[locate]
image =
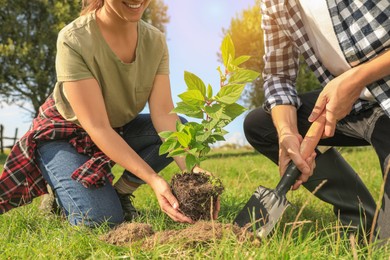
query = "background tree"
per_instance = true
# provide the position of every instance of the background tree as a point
(28, 35)
(156, 14)
(247, 35)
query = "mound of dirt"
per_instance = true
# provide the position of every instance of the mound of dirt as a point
(202, 232)
(128, 233)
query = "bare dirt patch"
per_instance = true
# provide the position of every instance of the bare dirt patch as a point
(128, 233)
(202, 232)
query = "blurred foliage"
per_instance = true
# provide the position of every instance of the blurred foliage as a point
(27, 48)
(156, 14)
(247, 34)
(28, 36)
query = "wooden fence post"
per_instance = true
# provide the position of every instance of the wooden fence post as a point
(15, 137)
(1, 138)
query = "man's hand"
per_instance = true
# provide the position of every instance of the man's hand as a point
(289, 149)
(337, 99)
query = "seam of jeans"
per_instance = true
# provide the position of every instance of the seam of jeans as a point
(149, 155)
(66, 191)
(372, 122)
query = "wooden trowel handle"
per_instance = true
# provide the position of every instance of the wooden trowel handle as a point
(308, 145)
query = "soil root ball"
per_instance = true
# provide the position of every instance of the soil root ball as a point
(195, 193)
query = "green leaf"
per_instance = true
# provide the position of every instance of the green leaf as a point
(196, 126)
(230, 93)
(230, 66)
(238, 61)
(190, 162)
(165, 134)
(177, 152)
(167, 146)
(193, 97)
(209, 126)
(214, 111)
(205, 151)
(188, 110)
(183, 138)
(179, 126)
(227, 50)
(234, 110)
(218, 137)
(193, 82)
(223, 122)
(203, 136)
(197, 145)
(209, 91)
(193, 152)
(243, 76)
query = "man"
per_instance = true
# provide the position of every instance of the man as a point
(346, 44)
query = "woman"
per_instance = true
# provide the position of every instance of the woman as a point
(109, 64)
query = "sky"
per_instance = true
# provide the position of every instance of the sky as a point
(194, 35)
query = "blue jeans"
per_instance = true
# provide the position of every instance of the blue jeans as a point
(93, 206)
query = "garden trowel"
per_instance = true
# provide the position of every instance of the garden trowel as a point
(266, 206)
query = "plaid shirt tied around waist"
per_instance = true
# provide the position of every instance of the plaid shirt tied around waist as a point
(21, 179)
(362, 28)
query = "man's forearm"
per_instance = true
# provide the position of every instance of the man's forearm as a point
(285, 119)
(374, 69)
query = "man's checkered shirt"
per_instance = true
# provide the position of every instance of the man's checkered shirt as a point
(362, 29)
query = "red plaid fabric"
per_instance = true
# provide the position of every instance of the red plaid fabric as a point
(21, 179)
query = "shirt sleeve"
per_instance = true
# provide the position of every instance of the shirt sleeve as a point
(281, 61)
(70, 65)
(163, 68)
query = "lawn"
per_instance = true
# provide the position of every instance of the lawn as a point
(27, 234)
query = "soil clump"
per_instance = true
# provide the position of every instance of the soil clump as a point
(197, 194)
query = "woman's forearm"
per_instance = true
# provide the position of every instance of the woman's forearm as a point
(84, 95)
(121, 153)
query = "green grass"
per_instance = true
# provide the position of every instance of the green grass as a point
(26, 234)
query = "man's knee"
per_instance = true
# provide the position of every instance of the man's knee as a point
(258, 126)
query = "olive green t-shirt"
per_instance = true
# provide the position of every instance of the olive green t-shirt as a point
(83, 53)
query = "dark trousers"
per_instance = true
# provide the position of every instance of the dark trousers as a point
(370, 127)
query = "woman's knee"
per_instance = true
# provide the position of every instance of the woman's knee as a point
(93, 218)
(90, 206)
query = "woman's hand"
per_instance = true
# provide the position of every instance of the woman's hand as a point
(217, 207)
(168, 203)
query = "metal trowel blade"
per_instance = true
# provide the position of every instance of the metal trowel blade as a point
(263, 211)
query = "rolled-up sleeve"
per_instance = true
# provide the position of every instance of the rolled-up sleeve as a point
(281, 59)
